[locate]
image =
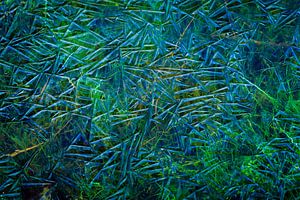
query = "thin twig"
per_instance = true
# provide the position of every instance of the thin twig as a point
(17, 152)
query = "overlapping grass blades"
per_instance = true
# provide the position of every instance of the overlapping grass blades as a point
(150, 99)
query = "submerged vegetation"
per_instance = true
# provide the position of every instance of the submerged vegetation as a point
(150, 99)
